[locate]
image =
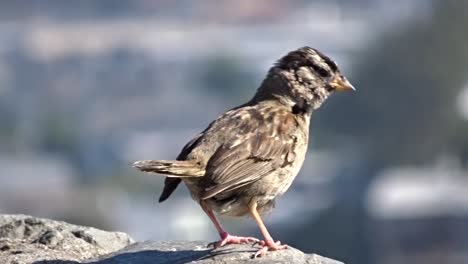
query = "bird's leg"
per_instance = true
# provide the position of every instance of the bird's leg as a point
(268, 243)
(226, 238)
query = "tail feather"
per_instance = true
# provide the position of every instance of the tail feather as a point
(170, 184)
(171, 168)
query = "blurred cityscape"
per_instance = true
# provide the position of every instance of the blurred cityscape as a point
(88, 87)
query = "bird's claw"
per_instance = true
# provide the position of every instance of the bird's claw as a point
(268, 246)
(229, 239)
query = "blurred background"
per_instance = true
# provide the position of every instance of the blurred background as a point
(88, 87)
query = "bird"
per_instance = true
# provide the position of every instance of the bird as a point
(250, 155)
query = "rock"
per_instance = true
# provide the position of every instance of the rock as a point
(171, 252)
(26, 239)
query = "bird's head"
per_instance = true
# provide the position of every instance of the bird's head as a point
(304, 76)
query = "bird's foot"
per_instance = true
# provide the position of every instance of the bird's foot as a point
(227, 239)
(268, 245)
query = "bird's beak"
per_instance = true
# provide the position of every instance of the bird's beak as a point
(340, 83)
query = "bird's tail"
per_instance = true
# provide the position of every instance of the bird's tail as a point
(171, 168)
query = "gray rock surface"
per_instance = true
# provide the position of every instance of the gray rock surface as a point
(26, 239)
(178, 252)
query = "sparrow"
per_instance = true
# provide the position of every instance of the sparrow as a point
(251, 154)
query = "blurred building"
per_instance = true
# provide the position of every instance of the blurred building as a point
(420, 215)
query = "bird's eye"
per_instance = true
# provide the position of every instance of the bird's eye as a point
(321, 71)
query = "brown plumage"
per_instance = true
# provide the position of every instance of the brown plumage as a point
(251, 154)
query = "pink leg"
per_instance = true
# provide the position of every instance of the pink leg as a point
(268, 243)
(226, 238)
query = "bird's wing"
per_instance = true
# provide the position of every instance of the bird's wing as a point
(263, 144)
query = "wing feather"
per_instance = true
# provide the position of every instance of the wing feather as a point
(249, 156)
